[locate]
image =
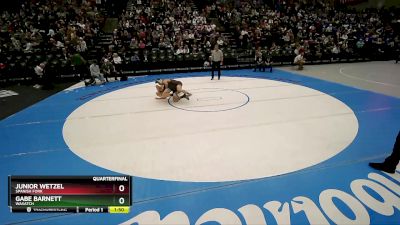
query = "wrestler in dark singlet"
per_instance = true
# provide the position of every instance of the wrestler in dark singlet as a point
(172, 85)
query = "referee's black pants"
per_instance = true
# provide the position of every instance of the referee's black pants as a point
(216, 66)
(394, 158)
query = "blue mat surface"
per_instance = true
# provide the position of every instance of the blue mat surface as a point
(342, 189)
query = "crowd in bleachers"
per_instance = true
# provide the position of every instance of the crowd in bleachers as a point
(46, 32)
(170, 33)
(321, 31)
(162, 30)
(165, 31)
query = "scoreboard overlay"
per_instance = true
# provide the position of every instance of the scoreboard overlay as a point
(72, 194)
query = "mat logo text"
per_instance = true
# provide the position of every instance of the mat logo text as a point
(386, 204)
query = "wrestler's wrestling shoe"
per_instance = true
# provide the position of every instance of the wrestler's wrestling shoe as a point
(183, 95)
(187, 95)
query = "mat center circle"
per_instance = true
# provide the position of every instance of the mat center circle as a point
(212, 100)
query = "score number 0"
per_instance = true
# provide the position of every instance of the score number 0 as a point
(121, 200)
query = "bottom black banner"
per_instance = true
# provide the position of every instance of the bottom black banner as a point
(82, 209)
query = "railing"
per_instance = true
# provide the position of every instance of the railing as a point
(63, 71)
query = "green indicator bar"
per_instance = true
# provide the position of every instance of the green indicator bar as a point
(70, 200)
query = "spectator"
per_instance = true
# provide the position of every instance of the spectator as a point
(39, 72)
(95, 73)
(186, 50)
(28, 48)
(81, 46)
(335, 52)
(180, 51)
(258, 59)
(134, 44)
(108, 69)
(135, 59)
(117, 61)
(79, 64)
(267, 60)
(299, 60)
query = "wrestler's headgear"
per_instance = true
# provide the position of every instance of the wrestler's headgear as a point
(158, 81)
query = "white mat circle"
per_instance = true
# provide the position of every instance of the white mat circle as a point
(283, 128)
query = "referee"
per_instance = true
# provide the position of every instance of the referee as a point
(217, 58)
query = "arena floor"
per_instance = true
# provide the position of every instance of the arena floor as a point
(288, 147)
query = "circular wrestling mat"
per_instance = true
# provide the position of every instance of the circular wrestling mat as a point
(232, 129)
